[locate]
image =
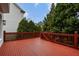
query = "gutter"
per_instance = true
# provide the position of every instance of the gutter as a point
(19, 8)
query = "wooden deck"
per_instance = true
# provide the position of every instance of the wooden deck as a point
(36, 47)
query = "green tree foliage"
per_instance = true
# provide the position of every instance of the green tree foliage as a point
(23, 26)
(39, 26)
(47, 26)
(31, 26)
(28, 26)
(62, 18)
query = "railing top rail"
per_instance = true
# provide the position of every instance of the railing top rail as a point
(51, 33)
(21, 32)
(59, 34)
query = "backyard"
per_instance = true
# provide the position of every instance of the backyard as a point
(42, 32)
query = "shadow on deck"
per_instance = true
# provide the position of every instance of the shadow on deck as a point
(36, 47)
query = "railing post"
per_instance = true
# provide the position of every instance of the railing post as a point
(51, 36)
(75, 39)
(41, 35)
(23, 36)
(4, 35)
(34, 34)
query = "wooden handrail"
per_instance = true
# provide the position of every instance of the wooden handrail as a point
(75, 37)
(59, 34)
(47, 36)
(8, 36)
(21, 32)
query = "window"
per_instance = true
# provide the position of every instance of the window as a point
(4, 22)
(0, 16)
(0, 19)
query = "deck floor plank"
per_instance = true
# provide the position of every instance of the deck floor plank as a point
(36, 47)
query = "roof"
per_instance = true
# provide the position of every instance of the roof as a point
(4, 7)
(19, 8)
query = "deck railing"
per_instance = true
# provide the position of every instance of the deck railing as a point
(71, 40)
(8, 36)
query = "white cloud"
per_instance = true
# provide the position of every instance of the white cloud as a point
(55, 4)
(26, 14)
(36, 4)
(49, 6)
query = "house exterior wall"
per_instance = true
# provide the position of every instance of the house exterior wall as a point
(12, 18)
(4, 8)
(1, 31)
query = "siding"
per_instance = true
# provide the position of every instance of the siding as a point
(1, 32)
(12, 18)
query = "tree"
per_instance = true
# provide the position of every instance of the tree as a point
(47, 26)
(23, 26)
(31, 26)
(39, 26)
(62, 18)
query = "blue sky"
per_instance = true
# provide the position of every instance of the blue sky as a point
(35, 11)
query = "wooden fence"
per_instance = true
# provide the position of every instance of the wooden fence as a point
(71, 40)
(8, 36)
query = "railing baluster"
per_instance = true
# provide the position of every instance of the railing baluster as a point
(75, 40)
(64, 38)
(50, 36)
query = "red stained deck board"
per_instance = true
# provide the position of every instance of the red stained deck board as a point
(36, 47)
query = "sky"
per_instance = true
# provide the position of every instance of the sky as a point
(35, 11)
